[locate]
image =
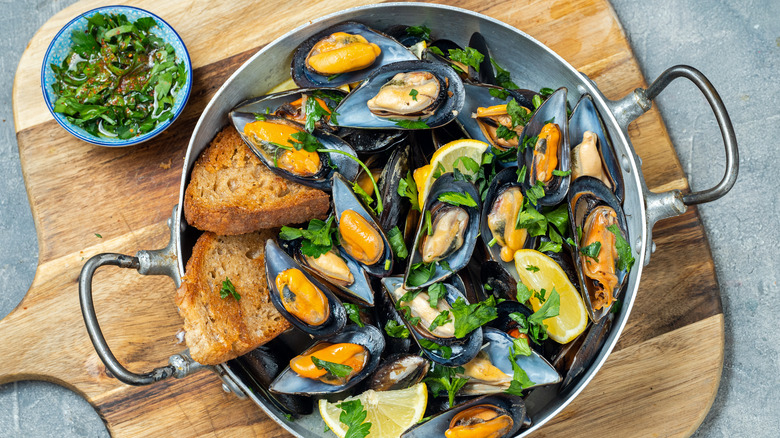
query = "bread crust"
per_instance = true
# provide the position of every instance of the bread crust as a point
(219, 329)
(232, 192)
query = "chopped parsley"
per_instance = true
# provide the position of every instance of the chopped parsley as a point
(393, 329)
(411, 124)
(397, 244)
(442, 378)
(420, 273)
(317, 238)
(470, 56)
(557, 172)
(314, 113)
(499, 93)
(228, 290)
(457, 199)
(408, 189)
(414, 94)
(469, 317)
(422, 32)
(353, 415)
(503, 77)
(353, 312)
(532, 268)
(436, 291)
(592, 250)
(441, 319)
(336, 369)
(625, 258)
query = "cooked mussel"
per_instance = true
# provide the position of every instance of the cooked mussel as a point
(423, 94)
(593, 154)
(344, 54)
(487, 108)
(357, 347)
(495, 416)
(595, 212)
(500, 217)
(299, 297)
(447, 233)
(295, 105)
(359, 235)
(399, 372)
(276, 140)
(450, 351)
(547, 159)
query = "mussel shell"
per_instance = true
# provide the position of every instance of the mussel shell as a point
(553, 110)
(396, 207)
(392, 51)
(463, 350)
(360, 289)
(460, 258)
(497, 281)
(485, 74)
(399, 372)
(272, 102)
(344, 199)
(590, 193)
(577, 356)
(478, 95)
(547, 348)
(277, 261)
(585, 117)
(374, 141)
(321, 180)
(385, 312)
(503, 180)
(497, 345)
(289, 382)
(447, 133)
(353, 110)
(440, 422)
(258, 368)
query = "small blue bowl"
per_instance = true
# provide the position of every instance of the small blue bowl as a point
(60, 47)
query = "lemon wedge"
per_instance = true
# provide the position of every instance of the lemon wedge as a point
(389, 412)
(446, 158)
(572, 317)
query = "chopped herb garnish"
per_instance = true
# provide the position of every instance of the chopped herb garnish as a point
(388, 264)
(625, 258)
(441, 319)
(519, 114)
(392, 328)
(436, 50)
(397, 244)
(332, 77)
(335, 369)
(505, 133)
(353, 312)
(305, 141)
(523, 293)
(559, 217)
(365, 197)
(228, 290)
(549, 246)
(536, 101)
(557, 172)
(520, 379)
(408, 189)
(443, 350)
(532, 268)
(503, 77)
(420, 273)
(492, 242)
(469, 317)
(535, 192)
(521, 173)
(316, 238)
(99, 236)
(468, 164)
(353, 415)
(592, 250)
(546, 91)
(470, 56)
(457, 199)
(499, 93)
(260, 117)
(413, 93)
(422, 32)
(314, 113)
(442, 378)
(439, 171)
(428, 227)
(411, 124)
(436, 291)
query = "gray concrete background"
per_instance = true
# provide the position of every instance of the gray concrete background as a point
(736, 43)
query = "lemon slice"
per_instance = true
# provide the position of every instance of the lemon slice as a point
(572, 317)
(389, 412)
(447, 157)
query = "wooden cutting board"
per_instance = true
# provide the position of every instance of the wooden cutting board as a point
(660, 380)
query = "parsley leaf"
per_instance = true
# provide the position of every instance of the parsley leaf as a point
(441, 378)
(420, 273)
(470, 56)
(505, 133)
(498, 93)
(353, 416)
(458, 199)
(469, 317)
(228, 290)
(503, 77)
(436, 50)
(625, 258)
(560, 218)
(305, 141)
(316, 238)
(441, 319)
(557, 172)
(549, 246)
(396, 239)
(520, 115)
(536, 101)
(546, 91)
(523, 293)
(314, 113)
(392, 328)
(408, 189)
(414, 94)
(532, 268)
(549, 309)
(353, 312)
(411, 124)
(592, 250)
(436, 291)
(442, 350)
(422, 32)
(335, 369)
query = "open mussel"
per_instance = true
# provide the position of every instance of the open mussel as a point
(404, 95)
(305, 302)
(296, 105)
(502, 231)
(577, 356)
(359, 235)
(547, 156)
(441, 346)
(335, 268)
(344, 54)
(279, 143)
(592, 153)
(598, 223)
(493, 416)
(399, 372)
(359, 348)
(447, 232)
(487, 108)
(472, 64)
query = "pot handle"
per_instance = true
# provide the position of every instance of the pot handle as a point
(674, 202)
(158, 262)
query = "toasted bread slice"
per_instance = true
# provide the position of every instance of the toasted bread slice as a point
(232, 192)
(219, 329)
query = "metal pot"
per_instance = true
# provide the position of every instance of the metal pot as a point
(537, 64)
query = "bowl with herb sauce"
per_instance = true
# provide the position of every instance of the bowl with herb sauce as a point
(116, 76)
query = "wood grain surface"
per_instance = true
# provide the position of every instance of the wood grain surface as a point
(650, 386)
